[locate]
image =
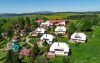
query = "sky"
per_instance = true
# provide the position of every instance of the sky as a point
(25, 6)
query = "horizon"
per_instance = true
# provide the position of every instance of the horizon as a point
(50, 11)
(30, 6)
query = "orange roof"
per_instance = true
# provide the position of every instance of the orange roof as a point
(15, 37)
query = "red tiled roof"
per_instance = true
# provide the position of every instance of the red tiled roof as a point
(25, 52)
(58, 21)
(39, 21)
(50, 55)
(22, 32)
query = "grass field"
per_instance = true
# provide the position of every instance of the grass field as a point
(88, 52)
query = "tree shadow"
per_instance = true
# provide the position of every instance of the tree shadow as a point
(70, 52)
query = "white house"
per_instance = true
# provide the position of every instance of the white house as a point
(22, 33)
(45, 24)
(9, 45)
(48, 37)
(78, 37)
(60, 29)
(59, 48)
(40, 30)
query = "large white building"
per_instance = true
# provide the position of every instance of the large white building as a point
(59, 48)
(60, 29)
(78, 37)
(48, 37)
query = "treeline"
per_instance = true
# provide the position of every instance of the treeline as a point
(77, 17)
(83, 25)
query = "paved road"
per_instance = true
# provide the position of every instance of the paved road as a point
(27, 41)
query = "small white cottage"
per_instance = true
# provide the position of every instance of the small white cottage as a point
(60, 29)
(78, 37)
(59, 48)
(45, 24)
(22, 33)
(40, 30)
(48, 37)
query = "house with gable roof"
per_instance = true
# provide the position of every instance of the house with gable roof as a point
(58, 48)
(60, 29)
(78, 37)
(47, 37)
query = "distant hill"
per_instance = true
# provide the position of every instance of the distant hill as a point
(34, 13)
(46, 12)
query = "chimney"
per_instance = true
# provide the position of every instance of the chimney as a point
(46, 35)
(58, 45)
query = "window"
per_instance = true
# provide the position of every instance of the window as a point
(60, 29)
(59, 49)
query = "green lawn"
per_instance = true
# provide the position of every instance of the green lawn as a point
(88, 52)
(85, 53)
(32, 40)
(2, 56)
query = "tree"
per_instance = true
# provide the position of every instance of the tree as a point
(71, 29)
(60, 35)
(10, 33)
(27, 20)
(12, 57)
(95, 20)
(1, 37)
(44, 19)
(2, 22)
(36, 18)
(22, 22)
(35, 24)
(84, 25)
(34, 53)
(27, 28)
(49, 28)
(32, 56)
(39, 35)
(8, 28)
(45, 43)
(54, 26)
(48, 47)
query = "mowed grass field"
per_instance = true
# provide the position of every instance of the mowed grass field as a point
(88, 52)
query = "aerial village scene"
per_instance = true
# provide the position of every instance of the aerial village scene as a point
(50, 37)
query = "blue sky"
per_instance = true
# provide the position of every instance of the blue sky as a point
(23, 6)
